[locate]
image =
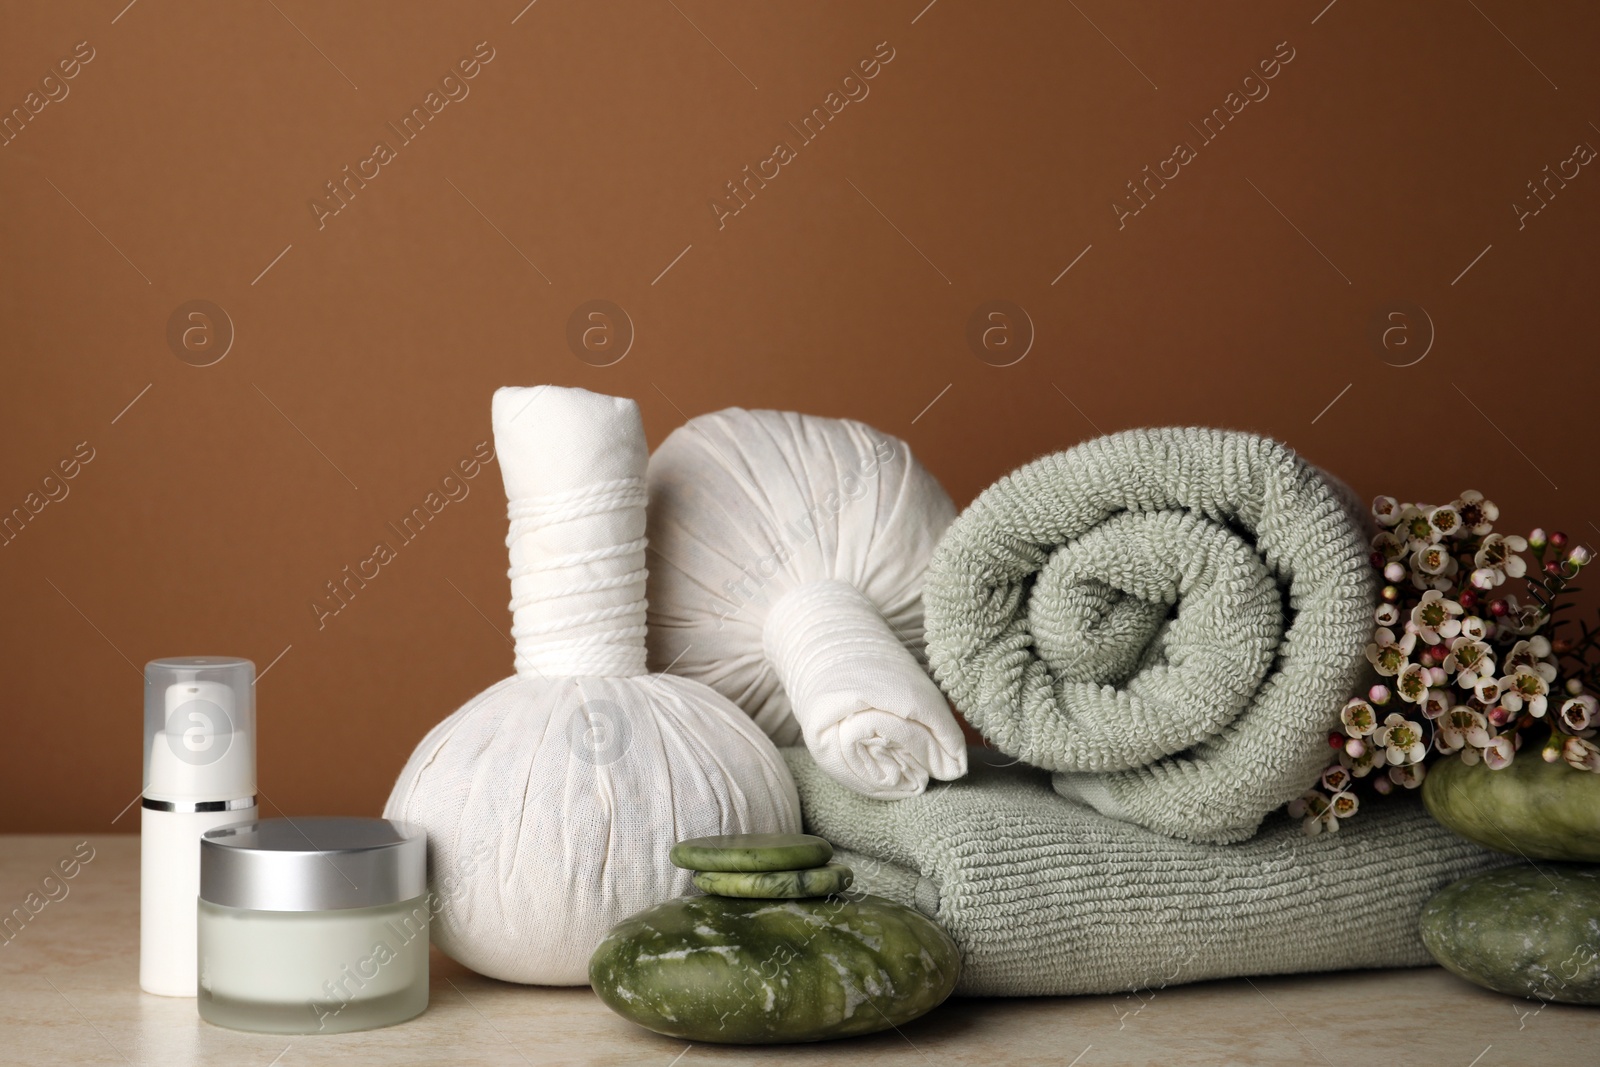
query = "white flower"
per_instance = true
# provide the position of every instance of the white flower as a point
(1578, 713)
(1386, 654)
(1498, 553)
(1435, 617)
(1475, 628)
(1386, 510)
(1414, 527)
(1434, 560)
(1371, 759)
(1581, 754)
(1387, 545)
(1498, 753)
(1477, 514)
(1344, 804)
(1358, 717)
(1531, 654)
(1317, 813)
(1486, 689)
(1401, 740)
(1454, 727)
(1525, 685)
(1336, 779)
(1445, 520)
(1386, 615)
(1469, 659)
(1412, 683)
(1409, 776)
(1439, 701)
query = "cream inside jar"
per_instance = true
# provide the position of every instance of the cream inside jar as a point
(313, 925)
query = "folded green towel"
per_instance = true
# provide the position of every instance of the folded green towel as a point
(1048, 897)
(1170, 619)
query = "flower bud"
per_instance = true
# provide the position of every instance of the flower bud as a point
(1355, 748)
(1335, 740)
(1558, 539)
(1498, 608)
(1536, 539)
(1395, 572)
(1581, 554)
(1384, 786)
(1379, 695)
(1391, 593)
(1574, 686)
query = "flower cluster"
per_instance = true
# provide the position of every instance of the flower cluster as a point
(1466, 672)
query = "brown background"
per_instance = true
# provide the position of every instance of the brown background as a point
(984, 161)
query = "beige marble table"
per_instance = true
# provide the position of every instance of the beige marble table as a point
(69, 994)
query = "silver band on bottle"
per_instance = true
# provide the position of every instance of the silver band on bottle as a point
(202, 805)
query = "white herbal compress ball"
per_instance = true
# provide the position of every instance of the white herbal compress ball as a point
(788, 557)
(551, 799)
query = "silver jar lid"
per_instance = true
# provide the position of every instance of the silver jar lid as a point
(318, 863)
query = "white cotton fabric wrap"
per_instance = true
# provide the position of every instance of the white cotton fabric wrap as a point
(552, 799)
(787, 558)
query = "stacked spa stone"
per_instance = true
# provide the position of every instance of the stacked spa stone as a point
(776, 951)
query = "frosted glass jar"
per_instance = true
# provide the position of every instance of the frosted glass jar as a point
(313, 925)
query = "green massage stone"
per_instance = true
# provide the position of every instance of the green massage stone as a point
(776, 885)
(728, 970)
(752, 852)
(1527, 930)
(1530, 809)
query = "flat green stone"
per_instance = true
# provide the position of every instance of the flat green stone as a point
(1530, 931)
(727, 970)
(752, 852)
(777, 885)
(1532, 809)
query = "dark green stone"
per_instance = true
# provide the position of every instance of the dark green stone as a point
(728, 970)
(1530, 809)
(752, 852)
(777, 885)
(1526, 930)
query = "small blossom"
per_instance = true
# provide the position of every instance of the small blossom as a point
(1379, 694)
(1386, 615)
(1386, 510)
(1336, 779)
(1469, 660)
(1434, 560)
(1358, 717)
(1451, 730)
(1435, 617)
(1344, 805)
(1383, 786)
(1531, 654)
(1578, 713)
(1445, 520)
(1415, 528)
(1410, 776)
(1537, 537)
(1498, 552)
(1477, 514)
(1525, 686)
(1581, 754)
(1360, 765)
(1497, 754)
(1386, 654)
(1412, 683)
(1485, 578)
(1474, 628)
(1387, 545)
(1401, 740)
(1355, 748)
(1439, 701)
(1582, 555)
(1316, 812)
(1486, 689)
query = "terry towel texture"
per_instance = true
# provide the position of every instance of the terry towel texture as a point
(1048, 897)
(1169, 619)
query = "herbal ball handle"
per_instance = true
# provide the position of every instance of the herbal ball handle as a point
(573, 463)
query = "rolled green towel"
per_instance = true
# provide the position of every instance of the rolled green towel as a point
(1047, 897)
(1169, 619)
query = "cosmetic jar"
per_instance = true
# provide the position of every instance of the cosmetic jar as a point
(313, 925)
